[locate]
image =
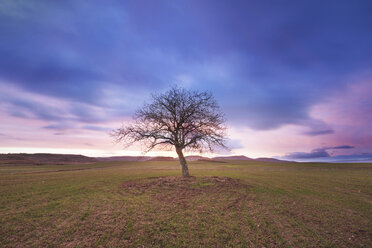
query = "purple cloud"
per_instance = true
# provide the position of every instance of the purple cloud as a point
(59, 126)
(319, 132)
(97, 128)
(263, 81)
(342, 147)
(315, 153)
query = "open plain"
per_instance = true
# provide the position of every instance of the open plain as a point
(223, 204)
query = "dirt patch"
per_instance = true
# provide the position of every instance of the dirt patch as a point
(166, 210)
(196, 194)
(181, 186)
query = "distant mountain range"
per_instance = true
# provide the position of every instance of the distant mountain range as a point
(161, 158)
(44, 158)
(240, 157)
(47, 158)
(123, 158)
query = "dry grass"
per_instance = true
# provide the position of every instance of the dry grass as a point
(144, 204)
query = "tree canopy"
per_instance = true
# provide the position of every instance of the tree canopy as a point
(184, 119)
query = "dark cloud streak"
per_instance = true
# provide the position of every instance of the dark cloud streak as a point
(319, 132)
(316, 153)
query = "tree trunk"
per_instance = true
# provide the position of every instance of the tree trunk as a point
(185, 168)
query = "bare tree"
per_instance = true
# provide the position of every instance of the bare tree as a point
(183, 119)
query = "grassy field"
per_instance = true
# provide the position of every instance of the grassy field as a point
(146, 204)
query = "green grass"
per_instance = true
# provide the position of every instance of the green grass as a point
(122, 204)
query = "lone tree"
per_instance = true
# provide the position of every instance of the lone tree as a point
(183, 119)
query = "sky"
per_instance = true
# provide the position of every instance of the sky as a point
(294, 78)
